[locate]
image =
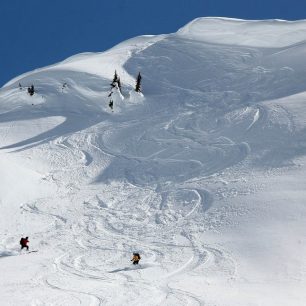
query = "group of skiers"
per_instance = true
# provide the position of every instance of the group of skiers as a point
(24, 244)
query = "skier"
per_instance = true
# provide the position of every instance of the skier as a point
(136, 258)
(24, 243)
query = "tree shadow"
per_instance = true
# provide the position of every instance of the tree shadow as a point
(71, 125)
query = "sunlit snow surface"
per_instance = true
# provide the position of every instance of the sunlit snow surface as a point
(203, 175)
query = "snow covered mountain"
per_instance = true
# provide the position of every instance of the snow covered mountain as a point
(203, 174)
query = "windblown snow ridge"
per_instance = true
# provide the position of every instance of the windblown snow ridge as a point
(239, 32)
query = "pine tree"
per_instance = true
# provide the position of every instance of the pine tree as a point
(116, 82)
(31, 90)
(111, 104)
(138, 83)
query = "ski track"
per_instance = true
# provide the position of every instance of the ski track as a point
(72, 265)
(154, 181)
(101, 235)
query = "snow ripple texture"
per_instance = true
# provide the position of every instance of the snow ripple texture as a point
(180, 175)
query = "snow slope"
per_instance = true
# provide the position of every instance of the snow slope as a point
(204, 174)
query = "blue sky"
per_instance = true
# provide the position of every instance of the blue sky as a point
(36, 33)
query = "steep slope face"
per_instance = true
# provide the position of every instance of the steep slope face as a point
(204, 175)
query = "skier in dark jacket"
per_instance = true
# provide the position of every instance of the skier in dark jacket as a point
(136, 258)
(24, 243)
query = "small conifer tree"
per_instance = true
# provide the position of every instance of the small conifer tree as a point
(116, 82)
(31, 90)
(138, 83)
(111, 104)
(115, 79)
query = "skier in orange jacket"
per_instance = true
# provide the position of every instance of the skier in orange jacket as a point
(136, 258)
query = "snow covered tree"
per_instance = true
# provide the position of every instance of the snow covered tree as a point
(138, 83)
(113, 83)
(115, 90)
(111, 104)
(116, 81)
(31, 90)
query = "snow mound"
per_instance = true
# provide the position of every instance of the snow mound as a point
(254, 33)
(4, 253)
